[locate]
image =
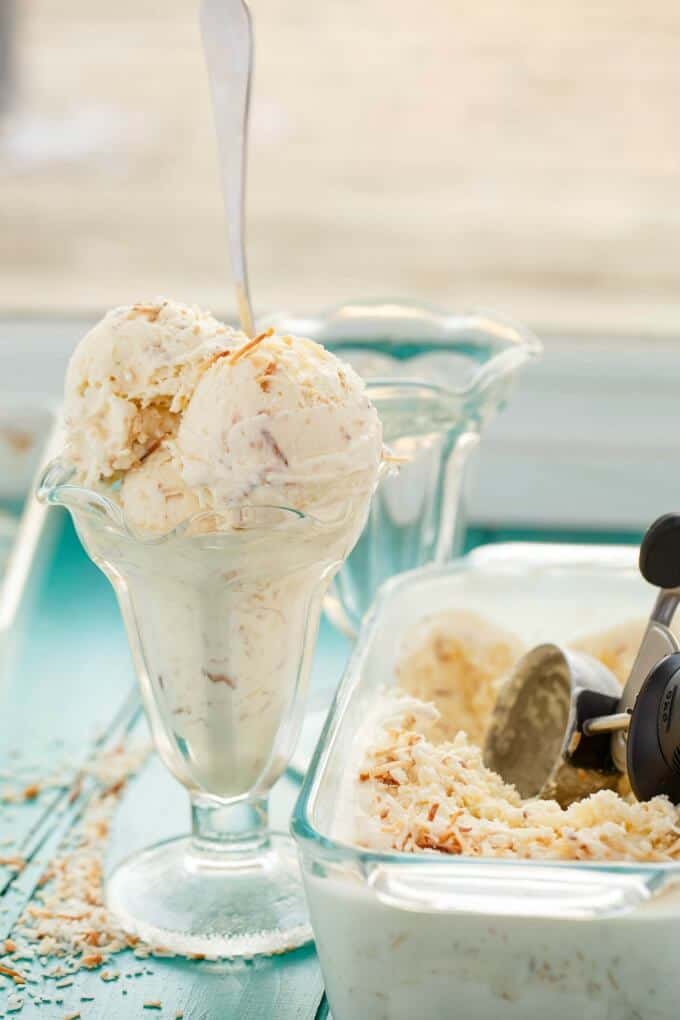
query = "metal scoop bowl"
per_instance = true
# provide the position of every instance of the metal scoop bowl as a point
(535, 740)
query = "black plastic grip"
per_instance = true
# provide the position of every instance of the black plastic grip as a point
(660, 552)
(653, 753)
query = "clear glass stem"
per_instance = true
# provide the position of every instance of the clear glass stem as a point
(229, 832)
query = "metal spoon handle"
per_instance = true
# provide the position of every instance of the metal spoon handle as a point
(227, 32)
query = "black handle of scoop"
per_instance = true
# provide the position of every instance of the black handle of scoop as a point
(660, 552)
(653, 749)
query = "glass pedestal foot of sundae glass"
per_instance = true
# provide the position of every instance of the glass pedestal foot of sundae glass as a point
(230, 889)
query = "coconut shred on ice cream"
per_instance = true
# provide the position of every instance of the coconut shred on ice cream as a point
(184, 423)
(190, 414)
(278, 421)
(130, 378)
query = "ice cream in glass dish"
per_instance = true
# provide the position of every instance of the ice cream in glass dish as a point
(219, 481)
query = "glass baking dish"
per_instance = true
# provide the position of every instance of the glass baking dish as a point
(401, 935)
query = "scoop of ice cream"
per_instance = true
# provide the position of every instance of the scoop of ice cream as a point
(129, 379)
(280, 421)
(457, 660)
(154, 496)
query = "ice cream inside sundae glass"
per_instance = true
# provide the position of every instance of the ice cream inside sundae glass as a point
(219, 481)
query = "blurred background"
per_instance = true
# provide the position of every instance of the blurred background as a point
(523, 157)
(520, 157)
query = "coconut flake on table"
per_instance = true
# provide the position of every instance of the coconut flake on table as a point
(66, 926)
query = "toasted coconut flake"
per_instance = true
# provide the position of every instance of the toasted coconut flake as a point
(438, 796)
(67, 917)
(13, 862)
(246, 349)
(16, 977)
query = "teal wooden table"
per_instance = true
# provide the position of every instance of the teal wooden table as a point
(64, 689)
(66, 678)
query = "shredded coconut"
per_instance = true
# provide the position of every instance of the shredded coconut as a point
(65, 926)
(412, 794)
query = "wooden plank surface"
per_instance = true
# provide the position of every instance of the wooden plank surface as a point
(65, 686)
(521, 156)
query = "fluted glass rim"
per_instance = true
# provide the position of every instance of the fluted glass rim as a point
(57, 486)
(517, 343)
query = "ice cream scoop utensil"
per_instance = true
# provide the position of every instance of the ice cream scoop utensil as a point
(227, 32)
(557, 729)
(534, 740)
(660, 565)
(648, 747)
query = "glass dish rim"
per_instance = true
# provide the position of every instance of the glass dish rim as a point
(55, 481)
(523, 346)
(308, 837)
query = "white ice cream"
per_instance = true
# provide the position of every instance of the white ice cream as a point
(130, 378)
(482, 954)
(222, 629)
(195, 419)
(154, 495)
(277, 421)
(458, 659)
(281, 421)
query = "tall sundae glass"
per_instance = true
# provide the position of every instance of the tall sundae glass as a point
(221, 615)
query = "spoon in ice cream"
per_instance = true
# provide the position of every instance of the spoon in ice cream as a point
(227, 32)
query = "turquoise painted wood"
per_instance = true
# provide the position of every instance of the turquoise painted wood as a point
(65, 685)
